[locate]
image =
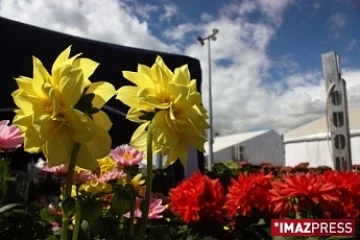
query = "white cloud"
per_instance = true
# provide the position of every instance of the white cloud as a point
(170, 10)
(106, 20)
(316, 5)
(244, 94)
(180, 31)
(145, 10)
(351, 45)
(338, 20)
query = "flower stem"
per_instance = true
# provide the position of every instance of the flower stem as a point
(132, 215)
(68, 188)
(77, 221)
(133, 203)
(149, 164)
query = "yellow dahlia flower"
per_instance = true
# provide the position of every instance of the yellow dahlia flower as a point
(171, 102)
(104, 165)
(60, 108)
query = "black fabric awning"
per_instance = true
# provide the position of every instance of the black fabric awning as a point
(18, 42)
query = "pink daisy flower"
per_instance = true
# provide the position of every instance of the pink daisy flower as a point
(10, 136)
(59, 169)
(126, 156)
(111, 175)
(81, 177)
(155, 209)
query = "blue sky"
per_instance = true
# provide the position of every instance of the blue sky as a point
(266, 61)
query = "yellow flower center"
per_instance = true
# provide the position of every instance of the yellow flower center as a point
(128, 156)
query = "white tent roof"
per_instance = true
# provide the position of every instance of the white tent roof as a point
(224, 142)
(317, 129)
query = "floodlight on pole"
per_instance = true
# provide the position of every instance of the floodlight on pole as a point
(211, 141)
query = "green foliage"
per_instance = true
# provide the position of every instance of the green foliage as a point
(47, 216)
(90, 209)
(68, 206)
(17, 221)
(5, 177)
(224, 171)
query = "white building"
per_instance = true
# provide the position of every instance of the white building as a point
(310, 142)
(256, 147)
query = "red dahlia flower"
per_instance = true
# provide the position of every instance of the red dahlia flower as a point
(197, 197)
(249, 192)
(348, 187)
(304, 187)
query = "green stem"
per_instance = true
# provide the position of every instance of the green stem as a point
(68, 189)
(77, 221)
(132, 215)
(149, 164)
(133, 203)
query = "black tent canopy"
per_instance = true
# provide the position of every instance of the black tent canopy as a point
(21, 41)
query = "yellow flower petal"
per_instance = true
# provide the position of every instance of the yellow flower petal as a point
(192, 86)
(182, 76)
(32, 141)
(40, 77)
(25, 84)
(134, 114)
(180, 151)
(82, 127)
(138, 139)
(161, 77)
(87, 65)
(100, 144)
(148, 97)
(61, 59)
(103, 91)
(160, 62)
(71, 85)
(24, 101)
(86, 159)
(58, 148)
(129, 96)
(103, 120)
(46, 126)
(196, 141)
(139, 79)
(162, 133)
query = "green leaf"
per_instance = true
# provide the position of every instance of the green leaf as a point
(45, 215)
(10, 207)
(5, 175)
(52, 238)
(68, 206)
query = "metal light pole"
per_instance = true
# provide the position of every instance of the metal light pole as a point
(211, 141)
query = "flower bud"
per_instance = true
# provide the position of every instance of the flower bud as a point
(121, 202)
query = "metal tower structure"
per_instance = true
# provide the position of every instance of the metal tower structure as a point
(337, 112)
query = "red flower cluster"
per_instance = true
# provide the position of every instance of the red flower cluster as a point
(248, 193)
(197, 197)
(297, 192)
(317, 194)
(347, 186)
